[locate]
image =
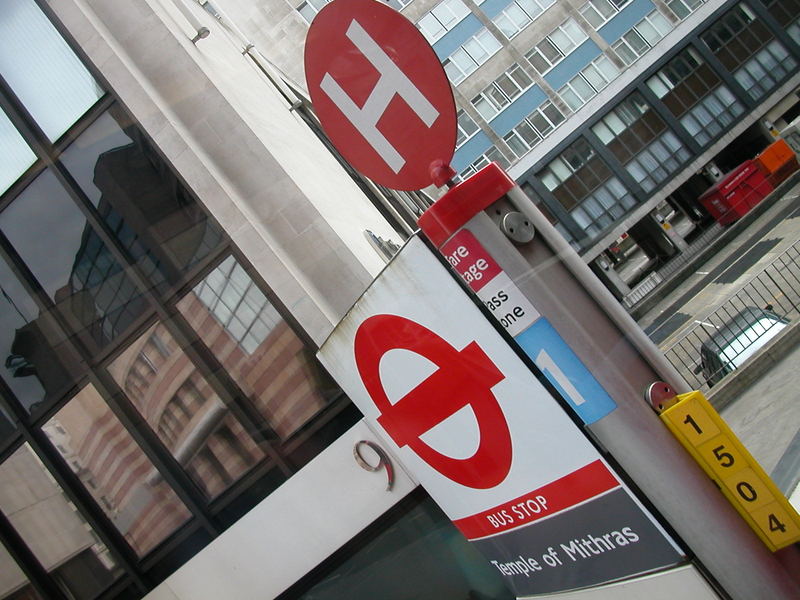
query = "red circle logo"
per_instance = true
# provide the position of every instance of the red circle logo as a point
(463, 378)
(380, 93)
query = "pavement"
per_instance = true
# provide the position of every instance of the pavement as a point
(759, 401)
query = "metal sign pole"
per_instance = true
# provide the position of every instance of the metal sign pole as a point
(608, 356)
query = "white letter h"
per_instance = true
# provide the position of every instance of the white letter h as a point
(392, 81)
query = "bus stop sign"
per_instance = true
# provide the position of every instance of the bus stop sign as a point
(380, 93)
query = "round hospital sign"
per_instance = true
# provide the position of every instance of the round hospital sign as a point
(380, 93)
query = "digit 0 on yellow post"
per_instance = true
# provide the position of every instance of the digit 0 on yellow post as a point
(695, 423)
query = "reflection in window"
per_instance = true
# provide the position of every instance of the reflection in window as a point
(35, 363)
(683, 8)
(540, 123)
(75, 268)
(42, 70)
(635, 42)
(470, 55)
(749, 50)
(62, 541)
(13, 583)
(257, 348)
(490, 156)
(466, 127)
(239, 306)
(519, 14)
(597, 12)
(116, 472)
(420, 555)
(694, 94)
(641, 141)
(17, 156)
(184, 411)
(787, 13)
(502, 92)
(441, 19)
(552, 49)
(585, 185)
(142, 202)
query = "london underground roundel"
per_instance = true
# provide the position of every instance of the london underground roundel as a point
(380, 93)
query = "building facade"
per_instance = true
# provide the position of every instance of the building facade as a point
(609, 113)
(177, 240)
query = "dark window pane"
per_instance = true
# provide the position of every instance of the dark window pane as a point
(185, 411)
(37, 365)
(422, 556)
(116, 472)
(143, 203)
(72, 264)
(6, 425)
(62, 541)
(257, 348)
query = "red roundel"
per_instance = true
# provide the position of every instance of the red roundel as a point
(463, 378)
(380, 93)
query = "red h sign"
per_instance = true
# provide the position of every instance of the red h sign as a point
(380, 92)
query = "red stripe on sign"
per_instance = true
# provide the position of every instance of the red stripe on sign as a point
(467, 256)
(561, 494)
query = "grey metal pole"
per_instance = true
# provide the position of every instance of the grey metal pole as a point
(625, 362)
(579, 269)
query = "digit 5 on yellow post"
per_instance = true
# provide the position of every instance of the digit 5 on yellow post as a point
(704, 434)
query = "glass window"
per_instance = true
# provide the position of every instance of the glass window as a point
(36, 363)
(641, 141)
(185, 411)
(405, 561)
(62, 541)
(309, 9)
(257, 348)
(442, 18)
(747, 48)
(598, 12)
(75, 268)
(17, 156)
(585, 186)
(13, 583)
(42, 70)
(694, 93)
(147, 208)
(431, 28)
(115, 471)
(466, 127)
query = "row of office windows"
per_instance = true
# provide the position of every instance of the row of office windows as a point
(567, 36)
(150, 390)
(673, 115)
(574, 93)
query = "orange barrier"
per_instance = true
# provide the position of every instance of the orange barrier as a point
(777, 162)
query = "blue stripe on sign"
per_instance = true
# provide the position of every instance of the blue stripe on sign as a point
(545, 347)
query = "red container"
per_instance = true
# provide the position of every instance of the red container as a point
(736, 193)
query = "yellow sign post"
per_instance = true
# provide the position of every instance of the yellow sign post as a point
(695, 423)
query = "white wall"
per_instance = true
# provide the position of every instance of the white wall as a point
(292, 530)
(256, 167)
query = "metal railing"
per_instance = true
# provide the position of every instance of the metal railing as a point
(718, 342)
(652, 281)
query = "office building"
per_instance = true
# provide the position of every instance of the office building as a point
(177, 240)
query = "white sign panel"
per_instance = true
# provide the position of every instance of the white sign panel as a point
(484, 437)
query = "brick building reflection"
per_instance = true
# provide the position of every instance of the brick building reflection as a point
(166, 234)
